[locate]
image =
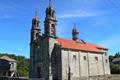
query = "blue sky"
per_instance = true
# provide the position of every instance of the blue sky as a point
(98, 21)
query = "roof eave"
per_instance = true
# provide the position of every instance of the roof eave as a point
(101, 52)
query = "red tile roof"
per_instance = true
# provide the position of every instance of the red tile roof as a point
(78, 45)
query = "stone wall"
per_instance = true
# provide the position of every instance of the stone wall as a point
(106, 63)
(9, 78)
(105, 77)
(95, 64)
(79, 64)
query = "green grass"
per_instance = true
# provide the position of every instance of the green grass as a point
(115, 75)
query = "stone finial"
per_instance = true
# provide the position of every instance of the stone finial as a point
(75, 33)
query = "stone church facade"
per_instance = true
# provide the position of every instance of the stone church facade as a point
(54, 58)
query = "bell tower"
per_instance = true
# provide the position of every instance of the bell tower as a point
(35, 31)
(75, 34)
(50, 21)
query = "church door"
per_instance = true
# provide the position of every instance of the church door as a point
(39, 72)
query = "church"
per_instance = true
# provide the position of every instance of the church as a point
(55, 58)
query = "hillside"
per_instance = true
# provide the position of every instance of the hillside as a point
(22, 64)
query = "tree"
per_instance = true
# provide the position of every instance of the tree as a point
(111, 58)
(117, 55)
(115, 68)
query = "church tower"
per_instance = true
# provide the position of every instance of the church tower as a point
(50, 37)
(35, 33)
(50, 22)
(75, 34)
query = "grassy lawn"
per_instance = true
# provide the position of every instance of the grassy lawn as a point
(115, 75)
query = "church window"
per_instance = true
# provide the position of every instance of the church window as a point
(106, 61)
(37, 35)
(37, 24)
(85, 58)
(74, 56)
(53, 29)
(96, 58)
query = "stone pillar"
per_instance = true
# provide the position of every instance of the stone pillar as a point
(50, 77)
(50, 67)
(79, 65)
(103, 64)
(88, 64)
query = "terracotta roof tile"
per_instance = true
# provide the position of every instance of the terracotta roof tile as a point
(77, 45)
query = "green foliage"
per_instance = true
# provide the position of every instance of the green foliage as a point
(115, 68)
(117, 55)
(111, 58)
(22, 64)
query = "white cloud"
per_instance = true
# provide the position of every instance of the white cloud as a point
(5, 16)
(77, 15)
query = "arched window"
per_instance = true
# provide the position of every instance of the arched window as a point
(37, 35)
(37, 24)
(53, 29)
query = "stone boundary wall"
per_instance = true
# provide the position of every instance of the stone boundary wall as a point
(85, 78)
(97, 78)
(9, 78)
